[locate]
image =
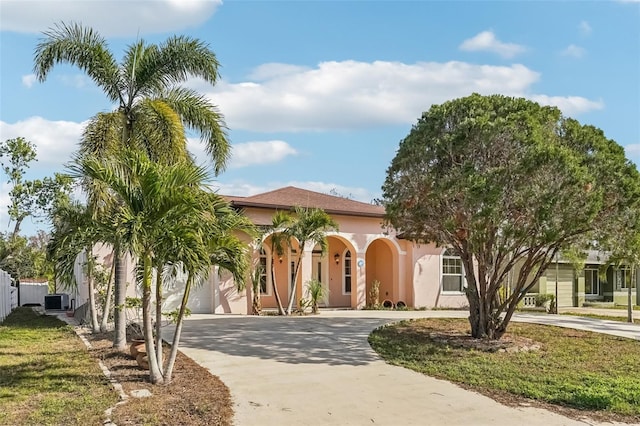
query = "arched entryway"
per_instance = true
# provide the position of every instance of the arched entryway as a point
(381, 264)
(341, 272)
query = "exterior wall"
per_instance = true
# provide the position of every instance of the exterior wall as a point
(426, 266)
(565, 282)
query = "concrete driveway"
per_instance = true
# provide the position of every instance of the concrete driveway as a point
(320, 370)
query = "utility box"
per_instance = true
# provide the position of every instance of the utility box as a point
(56, 302)
(33, 293)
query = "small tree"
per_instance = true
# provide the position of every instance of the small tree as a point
(317, 292)
(310, 225)
(506, 184)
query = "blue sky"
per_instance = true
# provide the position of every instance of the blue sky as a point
(319, 94)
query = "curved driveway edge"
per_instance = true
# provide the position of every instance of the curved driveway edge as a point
(320, 370)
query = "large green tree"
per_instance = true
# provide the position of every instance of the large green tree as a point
(153, 110)
(506, 184)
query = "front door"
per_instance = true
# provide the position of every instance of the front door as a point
(320, 272)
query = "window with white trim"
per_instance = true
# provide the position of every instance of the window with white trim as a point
(452, 273)
(623, 278)
(591, 282)
(346, 289)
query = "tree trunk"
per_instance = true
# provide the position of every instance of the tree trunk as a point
(120, 318)
(256, 307)
(147, 326)
(95, 326)
(629, 296)
(275, 287)
(106, 308)
(16, 228)
(168, 371)
(159, 315)
(294, 288)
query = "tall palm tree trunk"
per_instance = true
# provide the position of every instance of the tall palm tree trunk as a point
(95, 326)
(292, 296)
(168, 371)
(159, 315)
(106, 308)
(154, 370)
(120, 318)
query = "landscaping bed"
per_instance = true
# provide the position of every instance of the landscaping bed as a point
(578, 373)
(194, 397)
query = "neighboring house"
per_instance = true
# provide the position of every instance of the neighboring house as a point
(593, 282)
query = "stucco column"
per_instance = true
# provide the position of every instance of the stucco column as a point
(359, 296)
(403, 289)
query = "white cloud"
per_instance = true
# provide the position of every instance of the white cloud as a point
(254, 153)
(245, 189)
(633, 148)
(246, 154)
(28, 80)
(585, 28)
(275, 69)
(573, 51)
(351, 94)
(487, 41)
(55, 140)
(110, 18)
(569, 105)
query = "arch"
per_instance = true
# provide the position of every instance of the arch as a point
(338, 245)
(382, 265)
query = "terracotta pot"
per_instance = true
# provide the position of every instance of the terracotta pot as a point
(143, 360)
(136, 347)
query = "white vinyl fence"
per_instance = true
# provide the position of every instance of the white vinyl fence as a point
(8, 295)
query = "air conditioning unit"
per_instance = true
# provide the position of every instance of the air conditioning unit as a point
(57, 302)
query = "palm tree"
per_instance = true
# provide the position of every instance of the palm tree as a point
(221, 246)
(153, 110)
(280, 237)
(309, 226)
(166, 205)
(75, 231)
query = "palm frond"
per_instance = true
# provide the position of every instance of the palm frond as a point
(82, 47)
(200, 115)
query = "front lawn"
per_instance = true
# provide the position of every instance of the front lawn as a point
(578, 369)
(47, 377)
(604, 317)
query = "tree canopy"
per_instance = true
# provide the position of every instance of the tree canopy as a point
(507, 184)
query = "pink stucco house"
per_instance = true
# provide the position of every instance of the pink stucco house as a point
(360, 252)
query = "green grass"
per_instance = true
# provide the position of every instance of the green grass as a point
(608, 305)
(47, 377)
(604, 317)
(574, 368)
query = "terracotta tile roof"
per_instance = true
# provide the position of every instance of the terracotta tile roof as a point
(290, 196)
